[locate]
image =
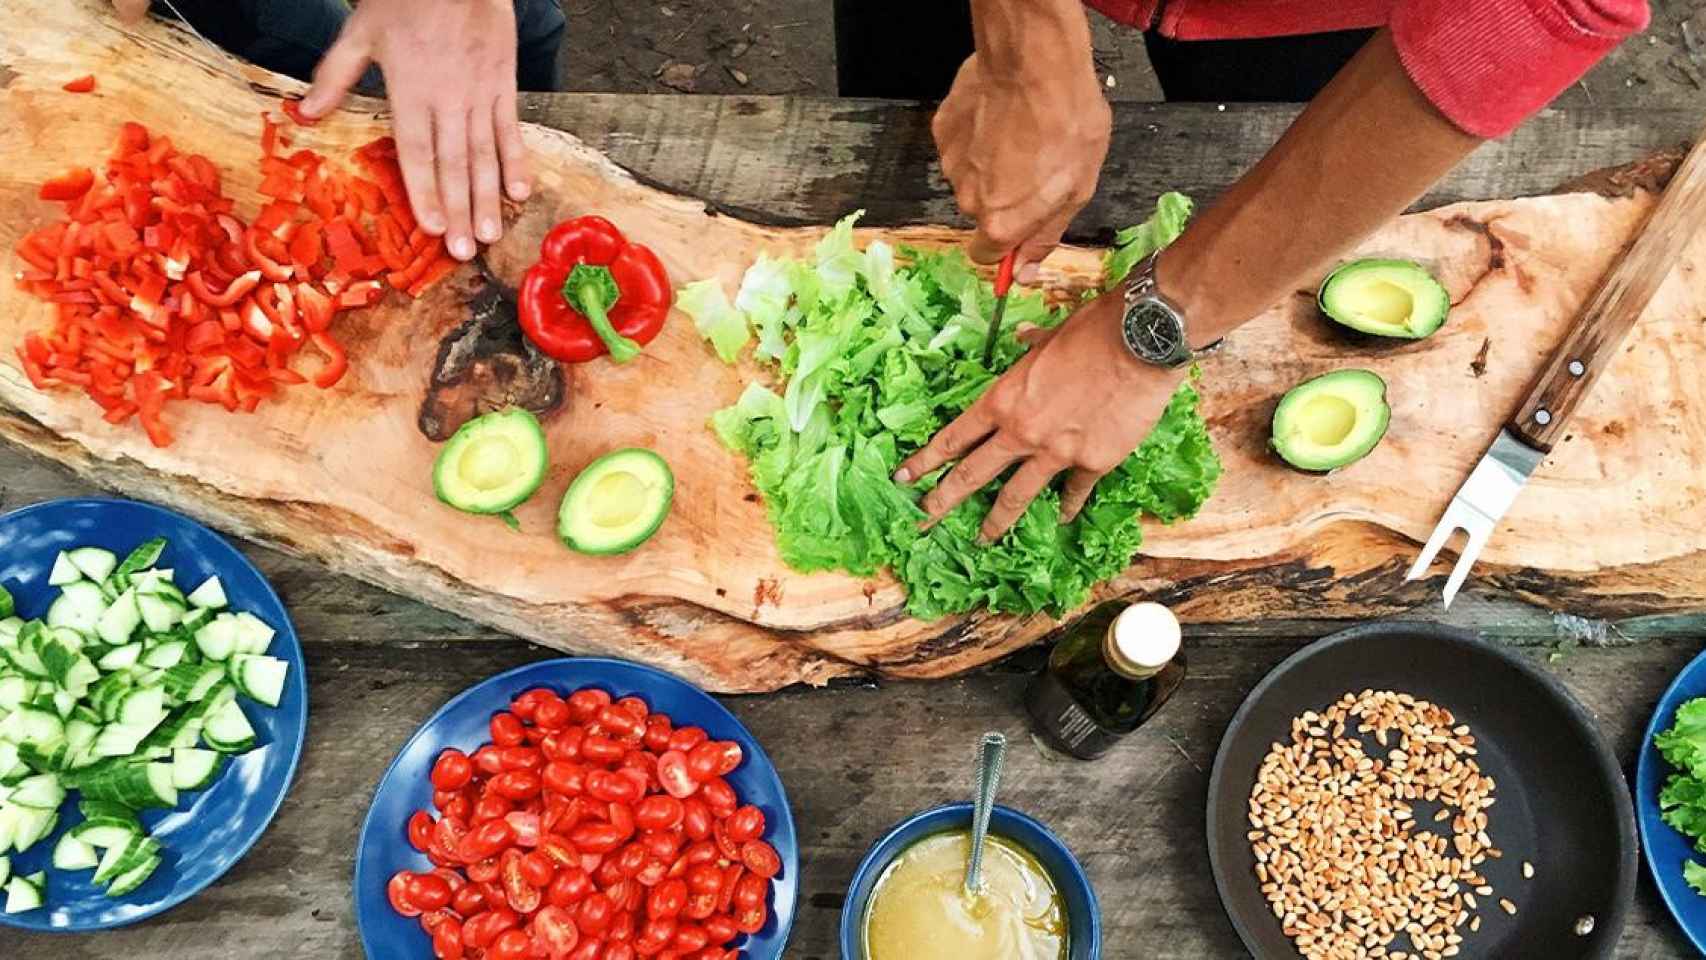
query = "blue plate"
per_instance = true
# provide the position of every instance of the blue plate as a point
(464, 722)
(212, 829)
(1665, 849)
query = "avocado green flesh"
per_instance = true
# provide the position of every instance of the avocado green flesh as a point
(493, 463)
(1385, 298)
(1332, 420)
(616, 503)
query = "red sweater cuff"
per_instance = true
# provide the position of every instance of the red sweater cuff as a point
(1490, 64)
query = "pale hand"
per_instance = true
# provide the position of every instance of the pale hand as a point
(450, 72)
(1023, 153)
(131, 11)
(1078, 403)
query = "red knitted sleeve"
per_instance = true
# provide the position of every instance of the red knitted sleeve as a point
(1490, 64)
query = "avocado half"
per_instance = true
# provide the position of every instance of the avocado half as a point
(493, 463)
(1386, 298)
(1332, 420)
(616, 503)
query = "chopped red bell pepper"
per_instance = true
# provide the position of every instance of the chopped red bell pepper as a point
(68, 186)
(592, 292)
(80, 85)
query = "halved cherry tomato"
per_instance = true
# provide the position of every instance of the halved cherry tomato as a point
(594, 913)
(489, 760)
(483, 871)
(511, 945)
(491, 806)
(760, 858)
(601, 749)
(674, 775)
(746, 823)
(690, 937)
(720, 929)
(397, 891)
(526, 826)
(554, 932)
(469, 900)
(487, 840)
(684, 739)
(699, 906)
(657, 934)
(420, 830)
(538, 869)
(705, 878)
(523, 897)
(452, 770)
(570, 886)
(719, 797)
(727, 848)
(447, 940)
(752, 919)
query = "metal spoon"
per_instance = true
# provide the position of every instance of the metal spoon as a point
(991, 751)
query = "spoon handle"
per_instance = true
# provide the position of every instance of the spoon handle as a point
(991, 752)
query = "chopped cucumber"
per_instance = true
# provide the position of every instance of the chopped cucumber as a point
(209, 596)
(134, 877)
(143, 557)
(228, 730)
(159, 613)
(165, 655)
(119, 859)
(48, 759)
(259, 677)
(191, 682)
(41, 792)
(93, 562)
(26, 893)
(105, 832)
(5, 870)
(33, 824)
(64, 571)
(142, 706)
(217, 640)
(253, 634)
(71, 853)
(120, 620)
(79, 606)
(14, 690)
(194, 769)
(8, 825)
(30, 724)
(119, 658)
(7, 604)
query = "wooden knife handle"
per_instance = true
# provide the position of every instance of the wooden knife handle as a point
(1616, 304)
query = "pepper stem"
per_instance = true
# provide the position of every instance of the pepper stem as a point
(592, 291)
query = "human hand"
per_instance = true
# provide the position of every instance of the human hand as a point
(131, 11)
(1041, 415)
(1023, 152)
(450, 71)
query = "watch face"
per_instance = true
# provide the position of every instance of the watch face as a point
(1154, 332)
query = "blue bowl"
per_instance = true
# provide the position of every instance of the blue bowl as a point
(464, 723)
(210, 830)
(1083, 916)
(1665, 849)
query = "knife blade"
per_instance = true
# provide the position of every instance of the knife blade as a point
(1003, 283)
(1588, 348)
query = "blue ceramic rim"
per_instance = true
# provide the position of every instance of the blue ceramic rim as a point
(1645, 758)
(1598, 750)
(850, 916)
(287, 631)
(790, 858)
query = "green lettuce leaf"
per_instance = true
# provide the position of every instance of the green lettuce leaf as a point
(715, 318)
(875, 351)
(1132, 244)
(1695, 875)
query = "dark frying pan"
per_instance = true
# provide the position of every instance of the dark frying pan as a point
(1562, 801)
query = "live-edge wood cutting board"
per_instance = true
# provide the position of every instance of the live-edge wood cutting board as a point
(1612, 523)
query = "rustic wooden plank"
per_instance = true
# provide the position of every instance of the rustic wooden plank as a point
(809, 160)
(1134, 818)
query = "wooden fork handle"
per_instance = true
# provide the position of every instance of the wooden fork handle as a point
(1609, 315)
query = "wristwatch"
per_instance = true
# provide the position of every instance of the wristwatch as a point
(1153, 326)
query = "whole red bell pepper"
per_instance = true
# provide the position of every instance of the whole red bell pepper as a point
(592, 292)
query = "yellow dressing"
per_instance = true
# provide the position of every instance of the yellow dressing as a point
(920, 910)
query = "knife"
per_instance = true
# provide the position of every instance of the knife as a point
(1003, 283)
(1589, 347)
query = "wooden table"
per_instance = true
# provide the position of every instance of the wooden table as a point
(857, 759)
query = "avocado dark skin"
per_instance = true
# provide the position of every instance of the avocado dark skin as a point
(486, 364)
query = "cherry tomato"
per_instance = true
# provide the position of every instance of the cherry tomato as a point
(594, 913)
(506, 730)
(684, 739)
(511, 945)
(705, 878)
(729, 757)
(565, 778)
(597, 749)
(591, 948)
(516, 784)
(699, 906)
(621, 928)
(674, 776)
(521, 758)
(585, 704)
(447, 940)
(489, 760)
(459, 807)
(452, 770)
(751, 891)
(398, 890)
(702, 761)
(559, 852)
(618, 951)
(701, 851)
(746, 823)
(632, 858)
(661, 844)
(640, 774)
(667, 899)
(658, 732)
(469, 900)
(524, 705)
(443, 798)
(620, 723)
(526, 827)
(626, 894)
(653, 873)
(760, 858)
(728, 849)
(554, 929)
(553, 713)
(492, 806)
(696, 819)
(597, 837)
(635, 707)
(570, 886)
(483, 871)
(479, 932)
(658, 933)
(420, 830)
(751, 919)
(608, 875)
(523, 897)
(447, 837)
(720, 929)
(427, 891)
(622, 818)
(564, 746)
(719, 797)
(690, 937)
(487, 840)
(732, 876)
(538, 869)
(613, 787)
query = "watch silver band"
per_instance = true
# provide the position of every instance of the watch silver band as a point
(1141, 289)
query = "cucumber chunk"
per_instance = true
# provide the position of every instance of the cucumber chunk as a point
(144, 556)
(5, 870)
(40, 792)
(228, 730)
(253, 634)
(165, 655)
(26, 893)
(260, 677)
(78, 606)
(133, 878)
(159, 613)
(7, 604)
(217, 640)
(33, 824)
(93, 562)
(71, 853)
(120, 620)
(64, 571)
(209, 596)
(118, 658)
(194, 769)
(105, 832)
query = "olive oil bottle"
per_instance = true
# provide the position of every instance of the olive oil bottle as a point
(1110, 672)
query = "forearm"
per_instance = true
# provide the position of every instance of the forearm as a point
(1015, 37)
(1367, 147)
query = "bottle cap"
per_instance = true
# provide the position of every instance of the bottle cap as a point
(1143, 638)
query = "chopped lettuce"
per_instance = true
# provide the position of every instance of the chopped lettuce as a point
(1682, 800)
(715, 318)
(1132, 244)
(874, 351)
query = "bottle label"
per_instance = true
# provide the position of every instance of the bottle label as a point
(1063, 720)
